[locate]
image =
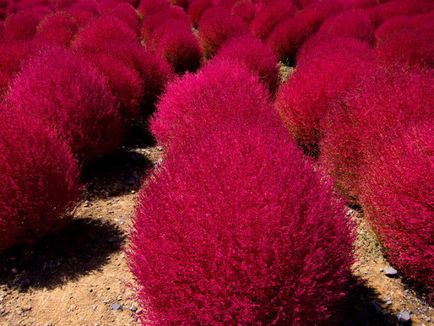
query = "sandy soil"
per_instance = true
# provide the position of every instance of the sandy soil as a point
(80, 276)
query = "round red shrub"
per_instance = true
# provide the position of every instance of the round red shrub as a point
(125, 83)
(287, 38)
(12, 55)
(397, 198)
(176, 42)
(153, 69)
(124, 12)
(245, 9)
(101, 32)
(379, 14)
(71, 95)
(21, 25)
(196, 8)
(268, 15)
(237, 229)
(39, 179)
(58, 28)
(255, 54)
(318, 12)
(148, 7)
(332, 68)
(151, 22)
(218, 91)
(216, 26)
(407, 41)
(351, 23)
(381, 102)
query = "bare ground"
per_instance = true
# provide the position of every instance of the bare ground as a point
(80, 276)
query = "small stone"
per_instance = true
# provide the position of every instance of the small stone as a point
(14, 270)
(133, 191)
(116, 306)
(390, 271)
(133, 308)
(404, 317)
(388, 302)
(94, 307)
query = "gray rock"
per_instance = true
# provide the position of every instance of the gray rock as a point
(390, 271)
(404, 317)
(116, 306)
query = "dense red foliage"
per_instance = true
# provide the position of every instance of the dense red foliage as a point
(218, 91)
(407, 40)
(380, 13)
(351, 23)
(257, 56)
(12, 55)
(382, 101)
(175, 41)
(66, 92)
(237, 229)
(268, 15)
(102, 32)
(196, 8)
(151, 22)
(58, 28)
(245, 9)
(328, 69)
(216, 26)
(124, 12)
(124, 81)
(148, 7)
(287, 38)
(398, 196)
(38, 177)
(21, 26)
(318, 12)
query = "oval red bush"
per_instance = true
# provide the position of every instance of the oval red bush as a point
(216, 26)
(58, 29)
(39, 178)
(218, 91)
(236, 228)
(69, 94)
(397, 198)
(256, 55)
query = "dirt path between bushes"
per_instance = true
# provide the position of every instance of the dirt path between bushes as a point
(80, 276)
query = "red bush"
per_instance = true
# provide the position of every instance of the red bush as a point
(407, 41)
(12, 55)
(196, 8)
(245, 9)
(58, 28)
(124, 12)
(219, 240)
(124, 81)
(218, 91)
(397, 199)
(318, 12)
(148, 7)
(351, 23)
(287, 38)
(39, 179)
(381, 102)
(268, 15)
(102, 32)
(256, 55)
(151, 22)
(153, 69)
(71, 95)
(379, 14)
(328, 71)
(216, 26)
(21, 26)
(176, 42)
